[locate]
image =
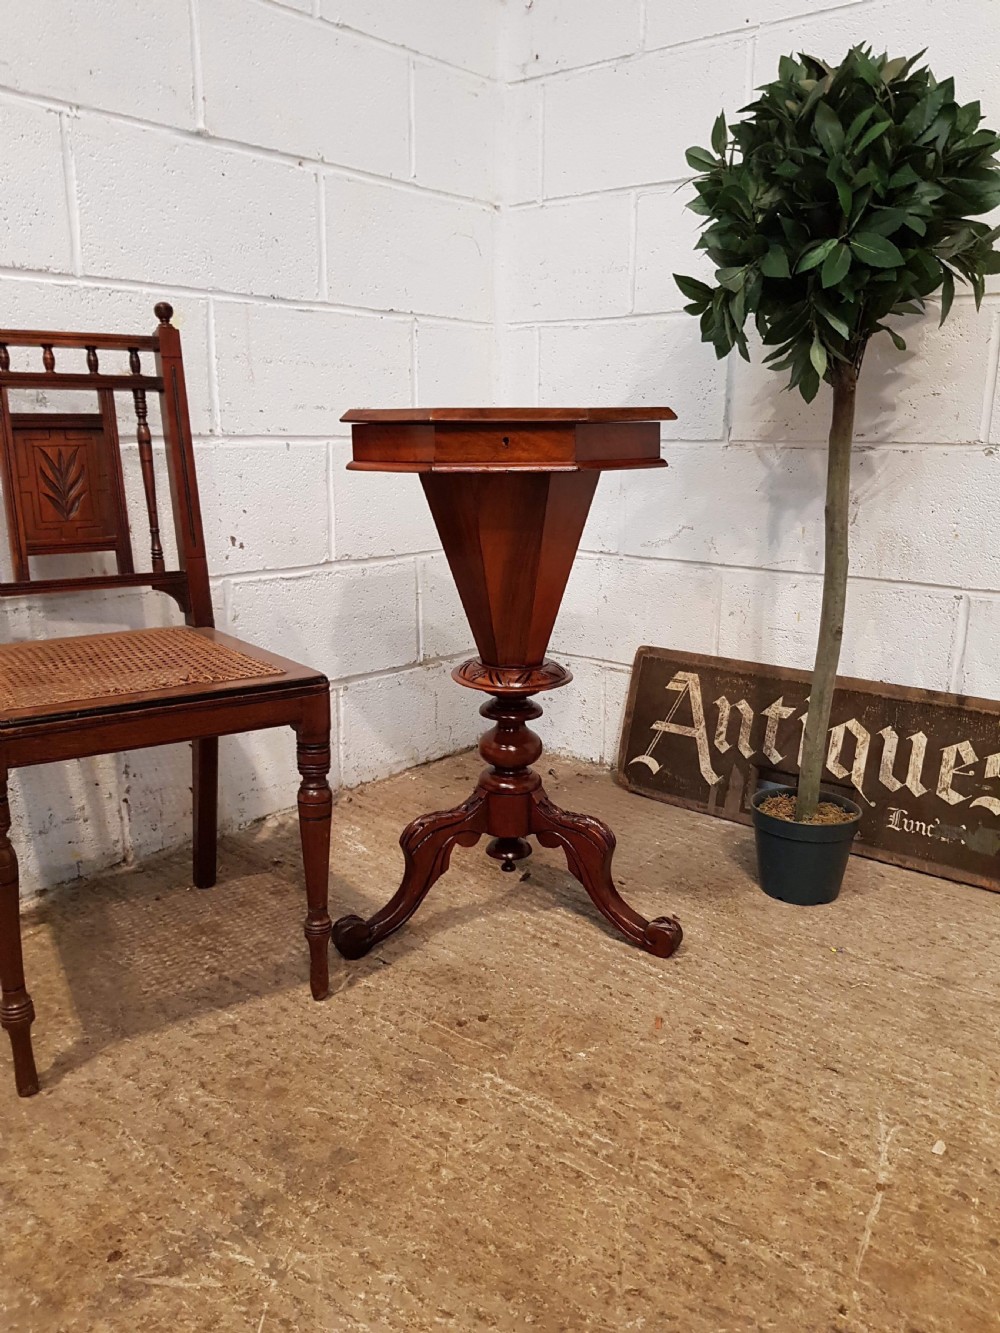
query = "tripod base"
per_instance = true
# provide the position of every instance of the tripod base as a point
(510, 805)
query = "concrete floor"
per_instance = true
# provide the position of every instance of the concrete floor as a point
(506, 1118)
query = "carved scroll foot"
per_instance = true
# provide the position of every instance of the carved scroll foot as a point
(427, 846)
(589, 846)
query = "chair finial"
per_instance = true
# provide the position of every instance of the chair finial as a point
(163, 312)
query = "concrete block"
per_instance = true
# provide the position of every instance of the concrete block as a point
(612, 606)
(547, 35)
(650, 110)
(377, 513)
(930, 394)
(344, 621)
(916, 515)
(264, 506)
(455, 131)
(980, 674)
(603, 529)
(573, 721)
(65, 817)
(657, 362)
(568, 260)
(666, 232)
(516, 366)
(891, 633)
(732, 505)
(616, 684)
(276, 79)
(130, 58)
(927, 516)
(670, 25)
(258, 774)
(33, 216)
(394, 249)
(994, 410)
(460, 32)
(444, 627)
(296, 371)
(454, 364)
(162, 209)
(389, 723)
(519, 143)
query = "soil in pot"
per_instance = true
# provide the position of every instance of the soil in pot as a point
(783, 807)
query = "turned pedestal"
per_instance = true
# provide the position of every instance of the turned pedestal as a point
(509, 490)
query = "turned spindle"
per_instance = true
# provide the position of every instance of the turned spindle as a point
(145, 442)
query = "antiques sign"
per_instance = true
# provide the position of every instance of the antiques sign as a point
(924, 766)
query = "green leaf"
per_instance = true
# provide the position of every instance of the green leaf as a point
(875, 251)
(815, 255)
(719, 134)
(817, 355)
(836, 264)
(775, 263)
(828, 128)
(732, 277)
(884, 221)
(700, 159)
(834, 321)
(898, 342)
(692, 288)
(947, 294)
(837, 174)
(903, 177)
(858, 124)
(892, 68)
(809, 385)
(870, 135)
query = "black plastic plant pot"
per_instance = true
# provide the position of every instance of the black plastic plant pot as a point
(802, 863)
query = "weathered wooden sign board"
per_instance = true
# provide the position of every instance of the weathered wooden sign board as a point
(924, 766)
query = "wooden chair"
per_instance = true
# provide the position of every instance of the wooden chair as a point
(96, 694)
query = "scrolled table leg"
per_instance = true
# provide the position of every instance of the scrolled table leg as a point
(427, 846)
(589, 846)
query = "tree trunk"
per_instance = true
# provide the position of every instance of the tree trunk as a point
(831, 624)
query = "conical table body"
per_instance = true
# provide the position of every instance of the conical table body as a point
(510, 490)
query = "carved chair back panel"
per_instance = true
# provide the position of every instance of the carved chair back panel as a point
(63, 484)
(66, 472)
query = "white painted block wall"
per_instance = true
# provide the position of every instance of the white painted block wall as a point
(464, 201)
(312, 186)
(722, 552)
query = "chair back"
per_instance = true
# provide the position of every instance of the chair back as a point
(63, 485)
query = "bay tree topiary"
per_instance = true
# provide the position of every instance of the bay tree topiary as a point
(845, 196)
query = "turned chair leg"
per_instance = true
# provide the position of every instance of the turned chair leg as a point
(205, 787)
(315, 812)
(17, 1013)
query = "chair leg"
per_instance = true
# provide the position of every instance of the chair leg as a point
(17, 1013)
(315, 812)
(205, 761)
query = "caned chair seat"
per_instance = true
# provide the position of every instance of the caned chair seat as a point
(47, 675)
